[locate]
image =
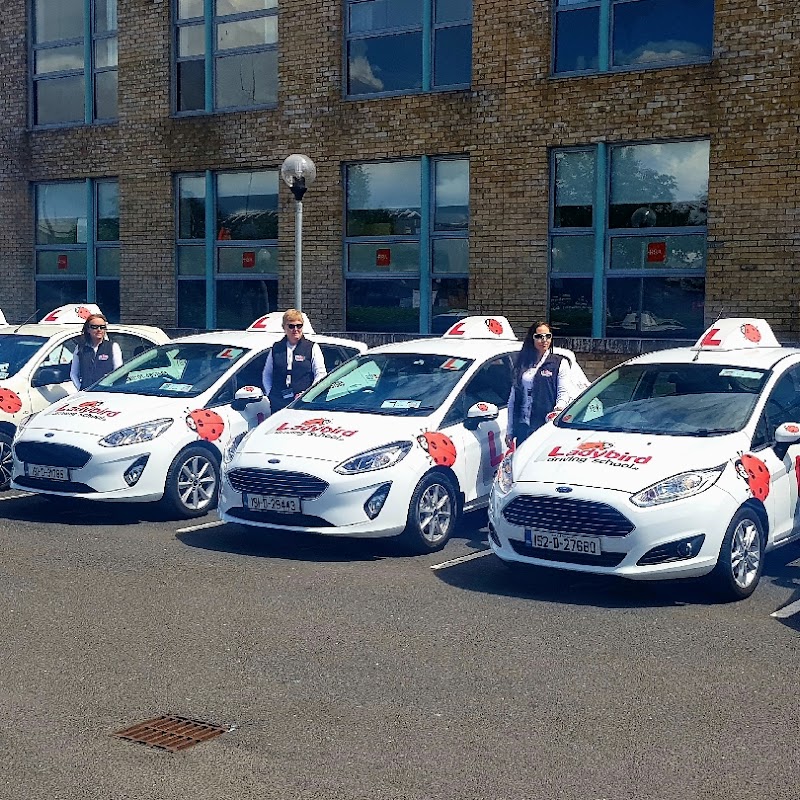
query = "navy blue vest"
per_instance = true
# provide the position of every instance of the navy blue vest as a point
(93, 366)
(301, 374)
(543, 393)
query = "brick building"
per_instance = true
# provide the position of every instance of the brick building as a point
(627, 168)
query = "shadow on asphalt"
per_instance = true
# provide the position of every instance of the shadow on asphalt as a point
(71, 511)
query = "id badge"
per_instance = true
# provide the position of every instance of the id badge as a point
(288, 394)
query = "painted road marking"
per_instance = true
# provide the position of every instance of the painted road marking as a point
(787, 611)
(454, 561)
(200, 527)
(15, 496)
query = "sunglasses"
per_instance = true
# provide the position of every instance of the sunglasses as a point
(295, 327)
(98, 327)
(542, 337)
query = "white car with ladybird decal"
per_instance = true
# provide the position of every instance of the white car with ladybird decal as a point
(400, 440)
(676, 464)
(35, 360)
(157, 426)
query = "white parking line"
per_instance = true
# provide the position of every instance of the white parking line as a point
(200, 527)
(15, 496)
(787, 611)
(454, 561)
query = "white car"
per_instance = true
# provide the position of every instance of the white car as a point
(675, 464)
(157, 426)
(399, 440)
(35, 361)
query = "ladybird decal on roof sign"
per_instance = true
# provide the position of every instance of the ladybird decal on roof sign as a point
(207, 424)
(755, 472)
(10, 401)
(494, 326)
(751, 332)
(439, 447)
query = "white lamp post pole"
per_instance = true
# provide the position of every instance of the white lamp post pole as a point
(298, 173)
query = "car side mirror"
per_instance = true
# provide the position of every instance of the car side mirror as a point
(480, 412)
(49, 376)
(245, 396)
(785, 436)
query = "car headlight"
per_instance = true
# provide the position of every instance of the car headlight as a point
(379, 458)
(504, 478)
(686, 484)
(21, 427)
(136, 433)
(230, 450)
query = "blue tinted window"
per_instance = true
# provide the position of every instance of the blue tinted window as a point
(577, 40)
(452, 56)
(385, 64)
(378, 15)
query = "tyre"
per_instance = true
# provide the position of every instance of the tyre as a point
(5, 461)
(432, 514)
(741, 557)
(192, 484)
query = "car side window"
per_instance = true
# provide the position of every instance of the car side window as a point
(335, 355)
(61, 353)
(130, 344)
(490, 384)
(783, 405)
(249, 375)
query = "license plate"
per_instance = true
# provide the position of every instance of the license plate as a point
(50, 473)
(564, 543)
(265, 502)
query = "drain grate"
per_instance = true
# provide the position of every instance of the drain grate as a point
(170, 733)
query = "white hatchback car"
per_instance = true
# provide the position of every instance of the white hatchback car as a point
(399, 440)
(157, 426)
(675, 464)
(35, 361)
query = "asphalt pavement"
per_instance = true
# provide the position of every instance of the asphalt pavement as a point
(341, 668)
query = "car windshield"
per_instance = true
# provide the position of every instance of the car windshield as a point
(675, 399)
(172, 370)
(391, 384)
(16, 351)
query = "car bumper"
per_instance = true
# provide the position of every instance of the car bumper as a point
(707, 515)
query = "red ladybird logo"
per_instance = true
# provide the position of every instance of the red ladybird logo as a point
(83, 312)
(594, 446)
(208, 424)
(483, 407)
(10, 402)
(755, 472)
(439, 447)
(494, 326)
(751, 333)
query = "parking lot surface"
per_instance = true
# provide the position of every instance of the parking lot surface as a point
(344, 669)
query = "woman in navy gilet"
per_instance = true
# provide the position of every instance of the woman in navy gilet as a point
(541, 384)
(96, 355)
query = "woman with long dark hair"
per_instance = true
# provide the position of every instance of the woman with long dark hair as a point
(541, 383)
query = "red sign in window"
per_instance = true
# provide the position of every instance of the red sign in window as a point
(656, 252)
(383, 257)
(62, 261)
(248, 260)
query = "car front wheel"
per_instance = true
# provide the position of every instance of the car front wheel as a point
(741, 557)
(192, 485)
(432, 514)
(5, 461)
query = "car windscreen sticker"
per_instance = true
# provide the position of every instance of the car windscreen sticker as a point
(230, 352)
(439, 447)
(177, 387)
(400, 404)
(10, 401)
(743, 374)
(3, 371)
(598, 453)
(206, 423)
(454, 364)
(89, 409)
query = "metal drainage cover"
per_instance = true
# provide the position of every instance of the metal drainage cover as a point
(170, 733)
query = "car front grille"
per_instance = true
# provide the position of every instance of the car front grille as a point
(567, 515)
(603, 560)
(52, 455)
(277, 483)
(278, 519)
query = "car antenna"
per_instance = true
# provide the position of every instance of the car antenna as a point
(697, 354)
(35, 314)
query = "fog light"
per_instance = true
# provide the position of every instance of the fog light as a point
(681, 550)
(135, 470)
(375, 503)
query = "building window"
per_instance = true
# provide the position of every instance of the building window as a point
(74, 61)
(396, 46)
(226, 54)
(227, 248)
(602, 35)
(406, 244)
(77, 244)
(628, 240)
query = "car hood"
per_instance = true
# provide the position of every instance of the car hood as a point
(329, 436)
(102, 413)
(626, 462)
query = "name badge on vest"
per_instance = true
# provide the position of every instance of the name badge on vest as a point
(103, 357)
(546, 373)
(288, 394)
(299, 358)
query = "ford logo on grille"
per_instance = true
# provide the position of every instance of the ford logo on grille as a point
(274, 461)
(49, 435)
(563, 489)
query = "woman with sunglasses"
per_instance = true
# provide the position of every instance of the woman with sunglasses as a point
(541, 384)
(293, 363)
(96, 355)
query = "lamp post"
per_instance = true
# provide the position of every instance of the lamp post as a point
(298, 173)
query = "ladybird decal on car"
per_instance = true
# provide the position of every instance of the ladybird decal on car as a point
(10, 401)
(207, 424)
(751, 333)
(439, 447)
(83, 312)
(755, 472)
(494, 326)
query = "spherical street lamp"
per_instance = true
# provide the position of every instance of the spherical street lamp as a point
(298, 173)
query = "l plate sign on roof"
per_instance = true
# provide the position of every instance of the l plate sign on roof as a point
(273, 323)
(72, 314)
(739, 333)
(479, 327)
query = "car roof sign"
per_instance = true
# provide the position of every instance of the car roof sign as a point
(480, 327)
(739, 333)
(72, 314)
(273, 323)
